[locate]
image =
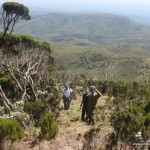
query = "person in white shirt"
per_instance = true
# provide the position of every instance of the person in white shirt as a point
(67, 97)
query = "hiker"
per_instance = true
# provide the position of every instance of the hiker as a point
(67, 97)
(84, 105)
(93, 97)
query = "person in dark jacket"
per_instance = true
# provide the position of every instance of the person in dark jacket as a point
(92, 101)
(84, 105)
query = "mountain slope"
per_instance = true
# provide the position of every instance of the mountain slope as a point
(89, 43)
(85, 29)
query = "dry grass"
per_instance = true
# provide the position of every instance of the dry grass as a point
(71, 131)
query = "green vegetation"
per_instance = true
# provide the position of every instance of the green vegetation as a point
(15, 44)
(124, 63)
(85, 29)
(35, 109)
(49, 127)
(89, 43)
(7, 84)
(108, 51)
(26, 65)
(130, 112)
(10, 130)
(126, 126)
(12, 13)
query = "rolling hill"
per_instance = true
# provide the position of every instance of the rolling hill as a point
(93, 44)
(85, 29)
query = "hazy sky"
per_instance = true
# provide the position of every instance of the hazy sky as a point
(132, 7)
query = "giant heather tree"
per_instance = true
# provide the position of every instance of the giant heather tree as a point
(12, 13)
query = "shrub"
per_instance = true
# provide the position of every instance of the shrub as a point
(5, 82)
(147, 108)
(7, 85)
(21, 117)
(10, 129)
(49, 127)
(36, 109)
(146, 128)
(126, 125)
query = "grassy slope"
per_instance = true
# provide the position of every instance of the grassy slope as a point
(72, 130)
(83, 42)
(86, 59)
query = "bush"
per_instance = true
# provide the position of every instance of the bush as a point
(49, 127)
(21, 117)
(147, 108)
(126, 125)
(10, 129)
(7, 85)
(146, 128)
(36, 109)
(5, 82)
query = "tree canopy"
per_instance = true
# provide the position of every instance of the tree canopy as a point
(13, 12)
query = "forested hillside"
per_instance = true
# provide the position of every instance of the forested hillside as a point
(86, 29)
(92, 42)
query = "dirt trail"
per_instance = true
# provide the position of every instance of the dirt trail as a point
(71, 131)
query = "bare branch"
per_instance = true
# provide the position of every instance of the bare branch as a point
(6, 101)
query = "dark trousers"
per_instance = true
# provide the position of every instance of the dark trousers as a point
(91, 116)
(84, 112)
(66, 103)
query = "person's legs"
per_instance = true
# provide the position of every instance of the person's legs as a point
(65, 103)
(91, 116)
(83, 114)
(86, 113)
(68, 103)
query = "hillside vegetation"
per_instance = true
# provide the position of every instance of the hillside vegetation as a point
(121, 113)
(105, 46)
(32, 115)
(85, 28)
(123, 63)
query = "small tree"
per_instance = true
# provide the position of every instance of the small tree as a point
(49, 127)
(12, 13)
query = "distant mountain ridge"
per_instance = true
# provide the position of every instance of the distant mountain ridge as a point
(85, 29)
(86, 43)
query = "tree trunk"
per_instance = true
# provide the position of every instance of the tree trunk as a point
(12, 29)
(6, 102)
